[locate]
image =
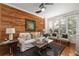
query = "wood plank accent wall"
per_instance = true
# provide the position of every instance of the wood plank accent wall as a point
(12, 17)
(0, 21)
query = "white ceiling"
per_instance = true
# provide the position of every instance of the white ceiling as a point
(51, 10)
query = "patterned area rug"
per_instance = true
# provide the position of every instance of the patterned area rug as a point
(55, 49)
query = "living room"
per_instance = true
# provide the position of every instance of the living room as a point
(39, 29)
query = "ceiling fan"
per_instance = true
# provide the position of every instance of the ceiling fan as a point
(42, 7)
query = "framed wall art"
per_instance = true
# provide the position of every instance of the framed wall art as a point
(30, 25)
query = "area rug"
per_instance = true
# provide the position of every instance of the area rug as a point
(54, 50)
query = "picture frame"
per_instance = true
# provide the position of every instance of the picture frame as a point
(30, 25)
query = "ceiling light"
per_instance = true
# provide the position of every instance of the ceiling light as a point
(43, 9)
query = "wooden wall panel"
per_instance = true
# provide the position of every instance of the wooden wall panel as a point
(12, 17)
(0, 22)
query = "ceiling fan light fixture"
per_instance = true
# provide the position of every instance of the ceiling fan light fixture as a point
(43, 9)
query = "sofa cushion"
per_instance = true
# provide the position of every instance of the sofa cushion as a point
(25, 36)
(29, 41)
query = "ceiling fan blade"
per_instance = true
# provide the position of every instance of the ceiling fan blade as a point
(38, 11)
(41, 5)
(49, 3)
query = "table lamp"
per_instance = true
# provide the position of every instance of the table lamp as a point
(10, 31)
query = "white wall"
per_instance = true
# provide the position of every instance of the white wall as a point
(46, 25)
(77, 35)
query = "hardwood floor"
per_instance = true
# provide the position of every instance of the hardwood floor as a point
(69, 50)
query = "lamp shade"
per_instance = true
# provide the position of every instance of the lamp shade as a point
(10, 30)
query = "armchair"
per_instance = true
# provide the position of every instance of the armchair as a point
(25, 41)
